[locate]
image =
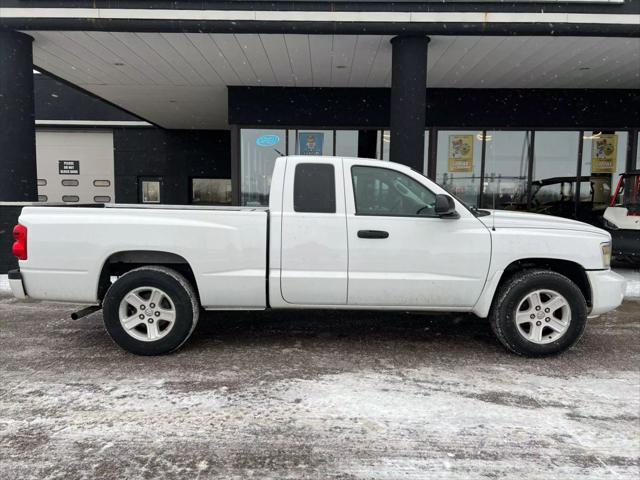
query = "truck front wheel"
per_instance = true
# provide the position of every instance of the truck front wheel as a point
(150, 310)
(538, 312)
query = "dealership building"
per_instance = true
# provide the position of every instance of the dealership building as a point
(508, 104)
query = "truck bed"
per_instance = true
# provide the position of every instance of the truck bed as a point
(226, 248)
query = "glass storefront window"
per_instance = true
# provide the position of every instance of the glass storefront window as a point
(506, 168)
(383, 143)
(150, 191)
(258, 152)
(347, 143)
(604, 156)
(554, 173)
(458, 163)
(211, 191)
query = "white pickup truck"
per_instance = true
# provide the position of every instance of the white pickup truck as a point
(339, 233)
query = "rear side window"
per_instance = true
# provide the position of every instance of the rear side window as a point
(314, 188)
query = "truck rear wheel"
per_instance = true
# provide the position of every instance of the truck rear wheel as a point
(150, 310)
(538, 313)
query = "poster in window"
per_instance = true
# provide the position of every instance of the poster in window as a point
(604, 153)
(310, 143)
(461, 153)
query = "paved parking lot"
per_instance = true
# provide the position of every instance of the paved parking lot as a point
(315, 395)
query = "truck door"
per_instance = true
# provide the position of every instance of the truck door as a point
(400, 252)
(314, 233)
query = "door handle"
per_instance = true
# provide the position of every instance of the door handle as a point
(373, 234)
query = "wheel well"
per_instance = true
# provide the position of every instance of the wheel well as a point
(121, 262)
(571, 270)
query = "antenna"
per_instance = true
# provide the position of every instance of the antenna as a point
(493, 214)
(278, 152)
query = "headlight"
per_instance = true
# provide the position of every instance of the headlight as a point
(609, 225)
(606, 254)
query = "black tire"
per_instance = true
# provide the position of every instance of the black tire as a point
(177, 289)
(518, 287)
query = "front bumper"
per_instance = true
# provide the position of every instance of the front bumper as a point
(16, 285)
(607, 291)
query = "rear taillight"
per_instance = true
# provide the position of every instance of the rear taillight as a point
(20, 245)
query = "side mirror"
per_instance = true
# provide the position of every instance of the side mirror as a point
(446, 207)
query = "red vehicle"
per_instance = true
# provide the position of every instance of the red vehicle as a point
(622, 218)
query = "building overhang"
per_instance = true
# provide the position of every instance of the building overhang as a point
(171, 63)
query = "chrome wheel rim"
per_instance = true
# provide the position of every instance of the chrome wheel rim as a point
(147, 314)
(543, 316)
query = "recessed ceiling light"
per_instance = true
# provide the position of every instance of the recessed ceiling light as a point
(594, 136)
(488, 138)
(54, 95)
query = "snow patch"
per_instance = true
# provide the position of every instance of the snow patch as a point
(4, 283)
(633, 282)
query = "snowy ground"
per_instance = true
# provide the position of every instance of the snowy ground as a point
(315, 395)
(633, 282)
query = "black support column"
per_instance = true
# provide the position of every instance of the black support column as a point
(408, 99)
(18, 177)
(367, 143)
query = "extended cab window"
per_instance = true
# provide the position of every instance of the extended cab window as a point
(382, 191)
(314, 188)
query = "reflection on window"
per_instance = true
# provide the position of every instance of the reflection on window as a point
(506, 168)
(380, 191)
(211, 191)
(554, 173)
(384, 145)
(150, 191)
(347, 143)
(258, 152)
(458, 163)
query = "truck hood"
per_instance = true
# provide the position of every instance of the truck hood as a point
(509, 219)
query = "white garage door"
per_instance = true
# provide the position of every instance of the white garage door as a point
(75, 166)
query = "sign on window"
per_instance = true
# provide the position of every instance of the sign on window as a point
(310, 143)
(460, 153)
(604, 154)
